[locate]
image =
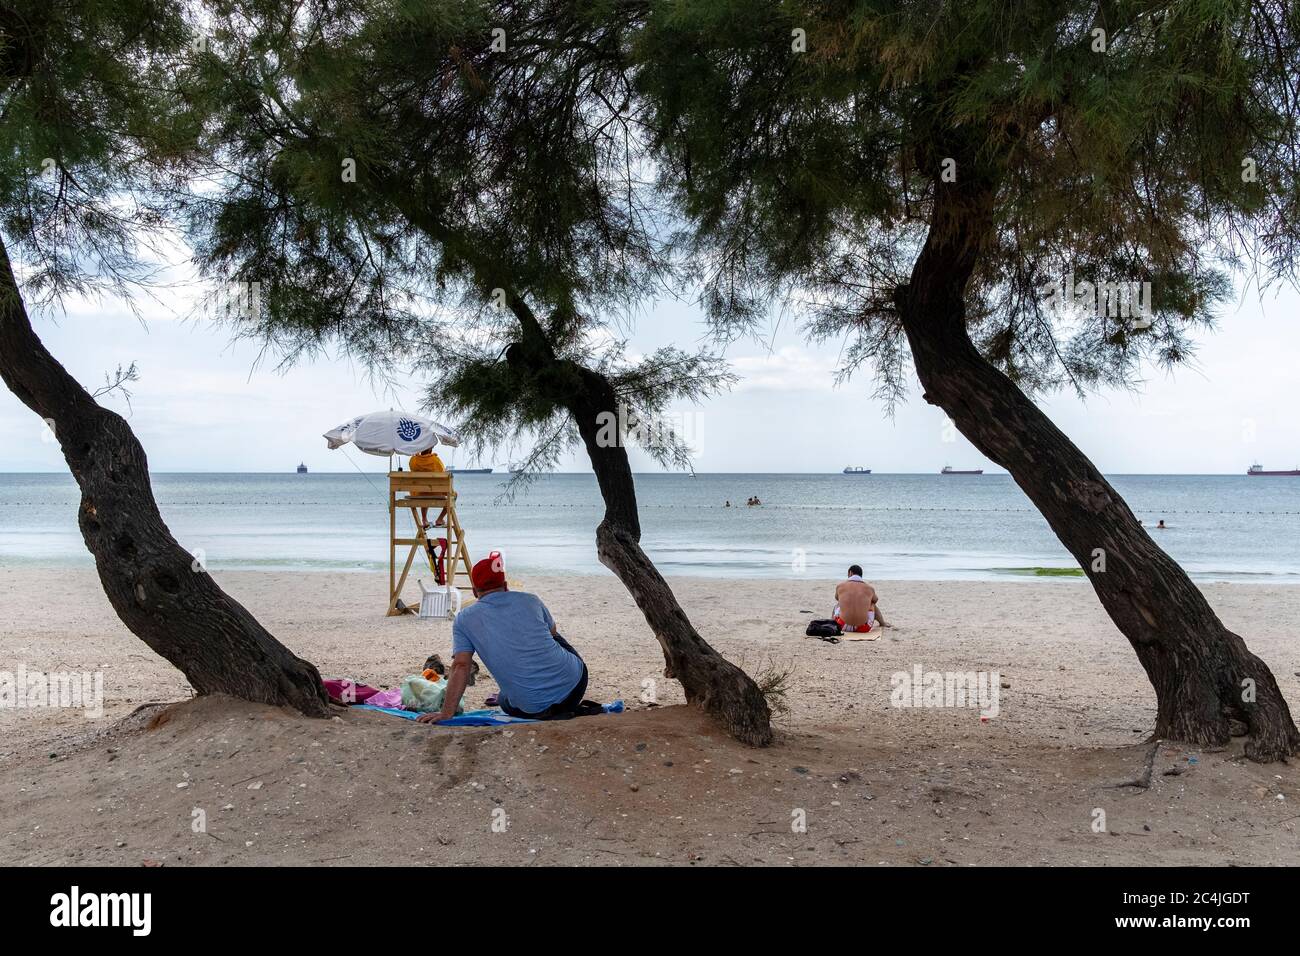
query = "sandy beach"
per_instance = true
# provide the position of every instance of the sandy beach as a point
(875, 782)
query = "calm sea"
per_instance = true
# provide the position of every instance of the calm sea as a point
(895, 526)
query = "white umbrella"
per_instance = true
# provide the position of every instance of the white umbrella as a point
(391, 433)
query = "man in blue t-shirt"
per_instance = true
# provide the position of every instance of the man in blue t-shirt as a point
(539, 673)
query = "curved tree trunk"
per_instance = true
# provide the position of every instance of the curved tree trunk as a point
(154, 584)
(1209, 686)
(722, 689)
(711, 682)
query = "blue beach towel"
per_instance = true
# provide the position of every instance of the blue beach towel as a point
(477, 718)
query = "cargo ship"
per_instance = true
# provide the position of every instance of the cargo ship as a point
(469, 471)
(950, 470)
(856, 470)
(1258, 470)
(302, 468)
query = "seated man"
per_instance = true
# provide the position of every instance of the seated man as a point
(856, 607)
(540, 675)
(429, 460)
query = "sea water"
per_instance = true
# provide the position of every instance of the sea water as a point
(1220, 527)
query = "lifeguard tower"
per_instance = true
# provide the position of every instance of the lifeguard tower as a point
(392, 432)
(442, 547)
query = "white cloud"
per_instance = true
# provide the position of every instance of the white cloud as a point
(790, 368)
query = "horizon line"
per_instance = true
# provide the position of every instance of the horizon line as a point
(669, 474)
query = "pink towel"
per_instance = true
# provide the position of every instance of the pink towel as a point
(386, 698)
(344, 691)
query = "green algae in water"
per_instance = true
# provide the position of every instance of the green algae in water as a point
(1047, 572)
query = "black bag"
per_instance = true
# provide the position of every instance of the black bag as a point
(825, 627)
(588, 708)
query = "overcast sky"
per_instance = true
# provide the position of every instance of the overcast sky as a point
(204, 404)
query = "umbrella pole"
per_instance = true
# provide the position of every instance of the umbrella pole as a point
(393, 593)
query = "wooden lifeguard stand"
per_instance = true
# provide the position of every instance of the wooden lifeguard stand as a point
(413, 490)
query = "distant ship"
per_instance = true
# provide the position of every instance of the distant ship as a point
(950, 470)
(302, 469)
(469, 471)
(1258, 469)
(856, 470)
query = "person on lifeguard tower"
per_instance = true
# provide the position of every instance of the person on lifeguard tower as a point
(428, 460)
(540, 675)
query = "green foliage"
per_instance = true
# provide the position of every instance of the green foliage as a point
(811, 175)
(537, 172)
(92, 124)
(499, 194)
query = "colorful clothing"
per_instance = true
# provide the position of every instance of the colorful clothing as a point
(427, 461)
(344, 691)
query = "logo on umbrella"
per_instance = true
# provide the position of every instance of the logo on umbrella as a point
(408, 430)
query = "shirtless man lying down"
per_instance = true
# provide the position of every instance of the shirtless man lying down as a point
(856, 607)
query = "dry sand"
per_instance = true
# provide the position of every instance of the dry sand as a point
(875, 783)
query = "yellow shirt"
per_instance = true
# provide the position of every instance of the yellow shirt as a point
(427, 461)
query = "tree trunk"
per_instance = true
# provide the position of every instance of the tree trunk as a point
(1209, 686)
(720, 688)
(158, 590)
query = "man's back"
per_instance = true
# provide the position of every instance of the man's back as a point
(855, 598)
(511, 633)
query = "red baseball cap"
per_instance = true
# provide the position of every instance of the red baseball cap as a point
(489, 573)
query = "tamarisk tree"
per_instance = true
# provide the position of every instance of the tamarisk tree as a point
(91, 125)
(455, 188)
(930, 177)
